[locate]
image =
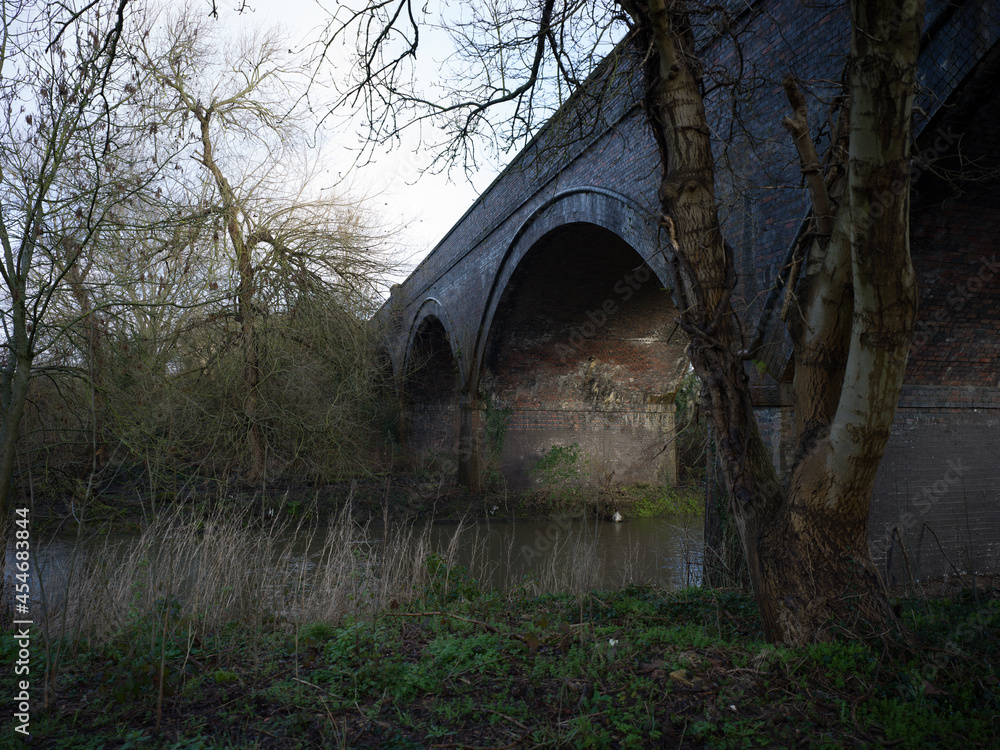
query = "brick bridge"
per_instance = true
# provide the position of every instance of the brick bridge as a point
(544, 317)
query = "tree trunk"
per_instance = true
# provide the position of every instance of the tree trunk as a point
(10, 427)
(251, 354)
(14, 395)
(806, 546)
(94, 346)
(244, 296)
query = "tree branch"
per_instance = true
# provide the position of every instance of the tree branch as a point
(798, 126)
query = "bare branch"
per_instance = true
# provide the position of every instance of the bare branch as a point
(798, 126)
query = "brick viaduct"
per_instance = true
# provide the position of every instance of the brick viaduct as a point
(544, 318)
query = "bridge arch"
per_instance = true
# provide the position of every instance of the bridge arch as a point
(579, 345)
(589, 204)
(433, 377)
(432, 309)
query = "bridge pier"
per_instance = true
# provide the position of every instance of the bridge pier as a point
(469, 443)
(612, 446)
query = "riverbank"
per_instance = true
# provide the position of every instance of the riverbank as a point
(396, 498)
(456, 666)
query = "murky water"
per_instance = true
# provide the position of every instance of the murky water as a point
(663, 551)
(560, 555)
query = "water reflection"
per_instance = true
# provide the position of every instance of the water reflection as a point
(560, 555)
(581, 554)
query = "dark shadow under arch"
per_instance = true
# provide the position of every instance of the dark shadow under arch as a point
(431, 391)
(584, 350)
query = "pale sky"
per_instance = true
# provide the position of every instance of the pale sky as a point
(424, 205)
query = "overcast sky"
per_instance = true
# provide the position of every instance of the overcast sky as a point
(425, 205)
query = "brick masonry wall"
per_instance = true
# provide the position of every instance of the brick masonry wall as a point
(936, 503)
(585, 350)
(937, 493)
(624, 446)
(955, 223)
(609, 178)
(431, 432)
(776, 422)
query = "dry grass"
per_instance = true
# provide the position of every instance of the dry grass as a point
(235, 569)
(261, 572)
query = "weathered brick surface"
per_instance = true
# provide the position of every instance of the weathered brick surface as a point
(776, 423)
(955, 218)
(598, 337)
(937, 509)
(617, 446)
(505, 297)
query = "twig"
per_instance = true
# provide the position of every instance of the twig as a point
(310, 684)
(442, 614)
(943, 553)
(511, 719)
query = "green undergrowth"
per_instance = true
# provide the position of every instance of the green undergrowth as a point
(463, 667)
(647, 501)
(632, 501)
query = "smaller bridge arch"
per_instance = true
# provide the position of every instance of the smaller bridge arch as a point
(432, 309)
(432, 384)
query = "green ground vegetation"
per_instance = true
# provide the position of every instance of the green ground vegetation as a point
(648, 501)
(453, 665)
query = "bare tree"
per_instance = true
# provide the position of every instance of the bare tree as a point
(140, 279)
(806, 544)
(522, 60)
(805, 541)
(285, 242)
(63, 79)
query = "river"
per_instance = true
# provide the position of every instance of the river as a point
(572, 555)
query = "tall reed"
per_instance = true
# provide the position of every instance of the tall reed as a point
(263, 573)
(236, 568)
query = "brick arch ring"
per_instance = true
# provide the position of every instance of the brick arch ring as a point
(432, 308)
(588, 205)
